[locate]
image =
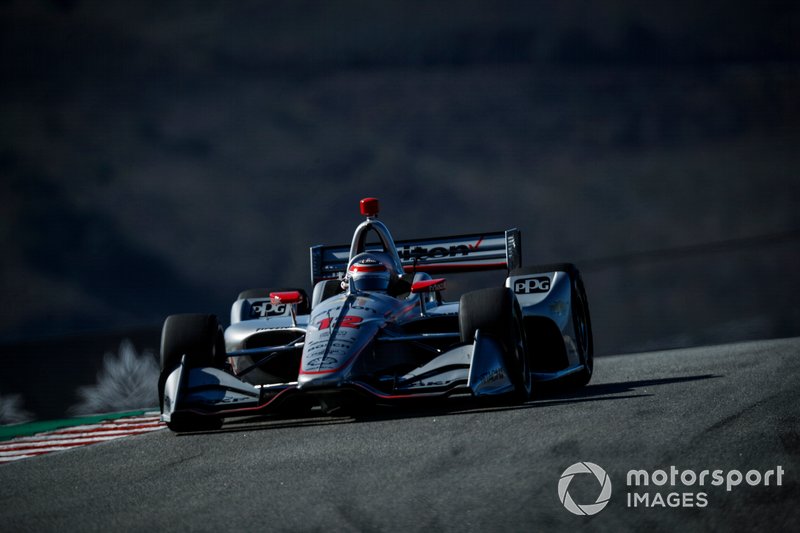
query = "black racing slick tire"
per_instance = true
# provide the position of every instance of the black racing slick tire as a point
(196, 339)
(582, 324)
(496, 312)
(187, 422)
(197, 336)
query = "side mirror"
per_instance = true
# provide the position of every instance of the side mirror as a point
(429, 285)
(288, 297)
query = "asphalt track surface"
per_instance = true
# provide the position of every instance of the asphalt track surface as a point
(453, 467)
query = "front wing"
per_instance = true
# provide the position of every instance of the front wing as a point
(477, 369)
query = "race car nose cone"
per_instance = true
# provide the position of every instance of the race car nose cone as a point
(369, 207)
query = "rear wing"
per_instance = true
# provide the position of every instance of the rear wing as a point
(440, 255)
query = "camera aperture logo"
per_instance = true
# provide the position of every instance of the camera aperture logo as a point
(588, 509)
(686, 488)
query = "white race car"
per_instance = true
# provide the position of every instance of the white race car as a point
(377, 329)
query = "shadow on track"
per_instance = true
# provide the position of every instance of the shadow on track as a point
(547, 396)
(621, 387)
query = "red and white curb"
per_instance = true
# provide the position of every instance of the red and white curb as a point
(72, 437)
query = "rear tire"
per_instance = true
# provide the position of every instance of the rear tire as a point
(325, 289)
(582, 323)
(496, 312)
(198, 341)
(569, 268)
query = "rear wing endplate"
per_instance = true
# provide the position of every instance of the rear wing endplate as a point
(438, 255)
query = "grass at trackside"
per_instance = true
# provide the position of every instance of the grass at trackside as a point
(31, 428)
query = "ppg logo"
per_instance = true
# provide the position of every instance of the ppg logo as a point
(531, 285)
(266, 308)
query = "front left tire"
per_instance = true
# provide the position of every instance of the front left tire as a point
(495, 312)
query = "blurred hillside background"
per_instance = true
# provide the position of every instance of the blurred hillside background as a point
(159, 157)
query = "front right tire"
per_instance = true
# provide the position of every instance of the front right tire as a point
(198, 341)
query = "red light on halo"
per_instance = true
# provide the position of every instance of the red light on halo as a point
(369, 207)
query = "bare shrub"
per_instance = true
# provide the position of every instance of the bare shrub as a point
(127, 381)
(12, 411)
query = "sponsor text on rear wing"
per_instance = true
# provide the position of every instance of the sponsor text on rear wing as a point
(439, 255)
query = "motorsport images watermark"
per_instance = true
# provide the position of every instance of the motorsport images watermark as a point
(644, 488)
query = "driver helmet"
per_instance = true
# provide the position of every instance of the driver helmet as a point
(369, 272)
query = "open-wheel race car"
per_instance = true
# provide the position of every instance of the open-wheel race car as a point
(377, 330)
